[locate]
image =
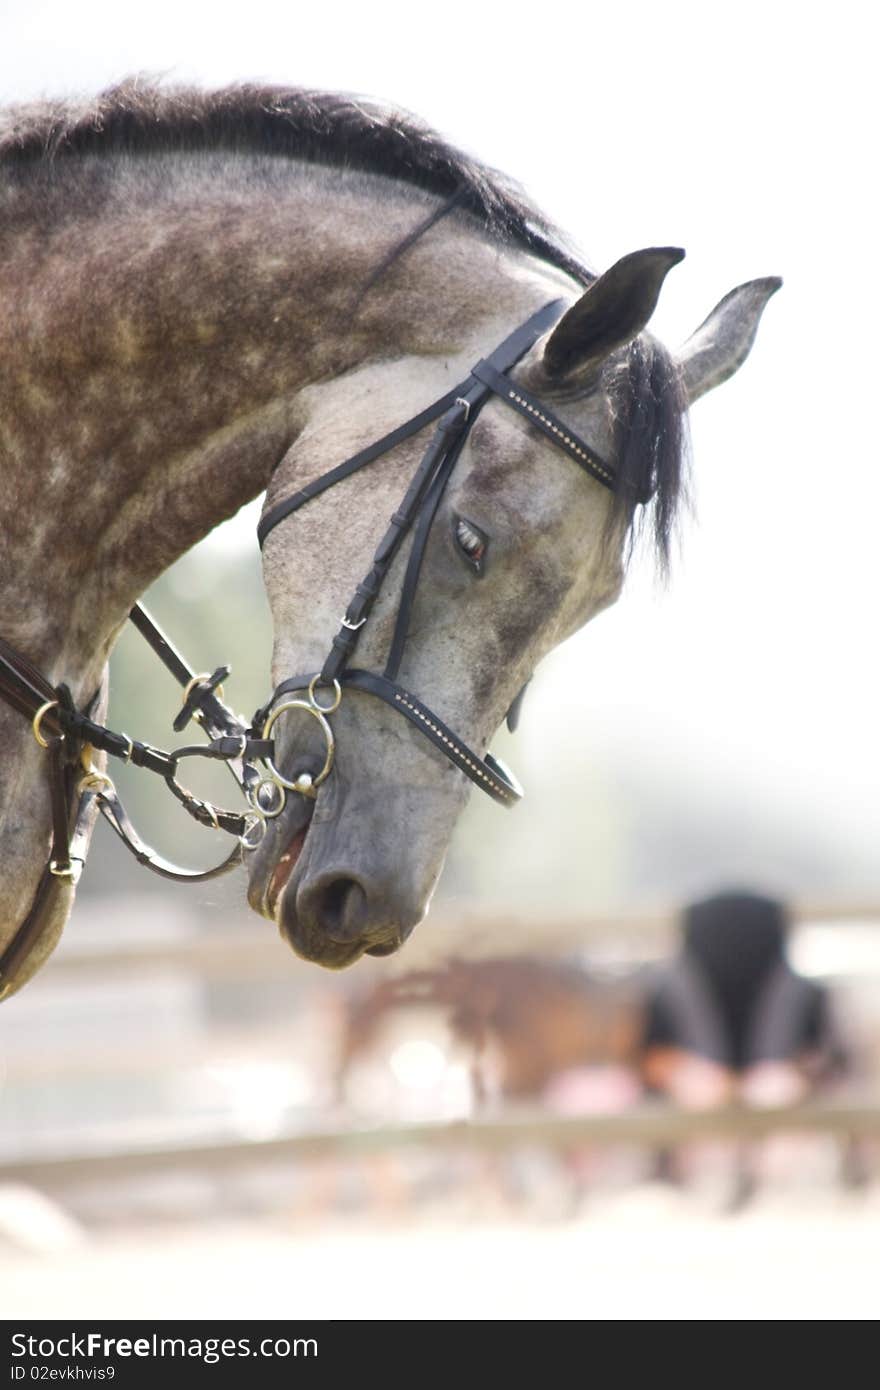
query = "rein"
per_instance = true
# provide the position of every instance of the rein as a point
(78, 790)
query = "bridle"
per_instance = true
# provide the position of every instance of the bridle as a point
(456, 413)
(69, 735)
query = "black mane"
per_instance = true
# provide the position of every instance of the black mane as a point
(142, 117)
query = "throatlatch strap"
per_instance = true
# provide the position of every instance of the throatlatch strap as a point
(270, 520)
(506, 355)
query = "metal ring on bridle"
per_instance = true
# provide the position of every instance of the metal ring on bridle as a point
(337, 695)
(38, 719)
(255, 822)
(197, 680)
(95, 781)
(317, 713)
(254, 798)
(72, 869)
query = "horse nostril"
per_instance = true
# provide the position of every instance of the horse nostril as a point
(339, 909)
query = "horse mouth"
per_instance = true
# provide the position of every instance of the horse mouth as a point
(330, 955)
(323, 912)
(283, 870)
(273, 863)
(319, 950)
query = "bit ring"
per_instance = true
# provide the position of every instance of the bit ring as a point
(299, 785)
(254, 798)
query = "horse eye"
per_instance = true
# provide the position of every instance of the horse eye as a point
(470, 542)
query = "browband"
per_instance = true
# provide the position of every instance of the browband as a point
(488, 372)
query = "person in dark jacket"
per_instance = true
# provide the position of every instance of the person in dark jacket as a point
(729, 1020)
(729, 1017)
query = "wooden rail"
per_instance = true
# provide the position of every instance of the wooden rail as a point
(248, 950)
(647, 1126)
(244, 948)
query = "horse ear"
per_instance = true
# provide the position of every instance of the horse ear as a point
(611, 312)
(721, 344)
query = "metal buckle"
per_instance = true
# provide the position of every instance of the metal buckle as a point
(460, 400)
(197, 680)
(38, 719)
(71, 870)
(95, 781)
(92, 780)
(352, 627)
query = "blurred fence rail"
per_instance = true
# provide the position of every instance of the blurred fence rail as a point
(252, 949)
(646, 1127)
(63, 1038)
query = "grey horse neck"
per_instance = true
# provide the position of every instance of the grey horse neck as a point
(161, 354)
(154, 358)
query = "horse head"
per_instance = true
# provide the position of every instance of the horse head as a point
(522, 550)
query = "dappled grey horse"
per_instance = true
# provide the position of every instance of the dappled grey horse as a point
(203, 296)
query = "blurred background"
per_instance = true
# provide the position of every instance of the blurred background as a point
(179, 1096)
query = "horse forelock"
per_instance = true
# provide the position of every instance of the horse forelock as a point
(649, 404)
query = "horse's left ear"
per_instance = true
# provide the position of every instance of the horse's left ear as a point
(721, 344)
(612, 312)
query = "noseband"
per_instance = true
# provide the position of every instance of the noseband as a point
(69, 735)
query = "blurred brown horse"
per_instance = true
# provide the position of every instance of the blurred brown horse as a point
(533, 1026)
(528, 1020)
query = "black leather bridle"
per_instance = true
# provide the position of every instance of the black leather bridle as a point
(68, 734)
(456, 413)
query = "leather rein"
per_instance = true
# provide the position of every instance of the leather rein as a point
(69, 735)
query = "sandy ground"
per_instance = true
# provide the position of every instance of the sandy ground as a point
(647, 1254)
